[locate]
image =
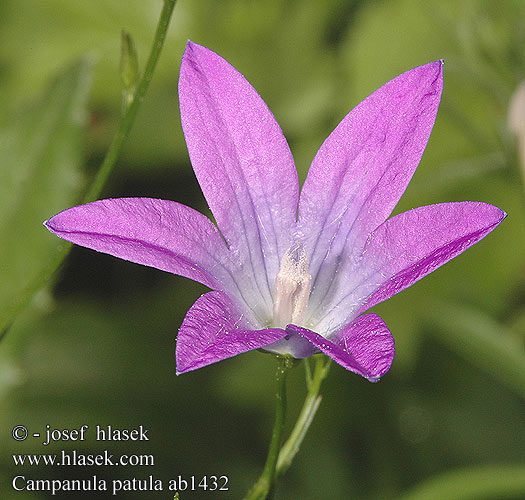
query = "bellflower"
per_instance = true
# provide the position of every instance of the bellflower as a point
(290, 272)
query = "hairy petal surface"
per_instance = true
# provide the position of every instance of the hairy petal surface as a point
(409, 246)
(243, 164)
(157, 233)
(363, 168)
(213, 330)
(366, 346)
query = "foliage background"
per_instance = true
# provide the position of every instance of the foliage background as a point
(96, 346)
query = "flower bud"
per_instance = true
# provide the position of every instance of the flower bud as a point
(129, 67)
(516, 121)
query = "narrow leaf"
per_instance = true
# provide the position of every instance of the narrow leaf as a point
(480, 339)
(39, 175)
(476, 483)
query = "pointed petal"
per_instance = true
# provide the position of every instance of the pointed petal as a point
(242, 162)
(214, 330)
(406, 248)
(363, 168)
(365, 347)
(157, 233)
(413, 244)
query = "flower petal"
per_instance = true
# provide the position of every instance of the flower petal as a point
(242, 162)
(413, 244)
(214, 330)
(363, 168)
(406, 248)
(365, 347)
(157, 233)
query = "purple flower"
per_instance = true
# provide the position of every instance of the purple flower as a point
(290, 273)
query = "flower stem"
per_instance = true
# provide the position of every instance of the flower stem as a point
(128, 119)
(308, 411)
(263, 488)
(107, 165)
(278, 462)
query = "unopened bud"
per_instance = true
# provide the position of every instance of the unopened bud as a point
(129, 67)
(516, 121)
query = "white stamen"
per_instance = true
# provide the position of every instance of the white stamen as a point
(292, 288)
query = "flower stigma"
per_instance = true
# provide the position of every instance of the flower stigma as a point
(292, 288)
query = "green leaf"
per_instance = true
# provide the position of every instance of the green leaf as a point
(40, 175)
(482, 340)
(476, 483)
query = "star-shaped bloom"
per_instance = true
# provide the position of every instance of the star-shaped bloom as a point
(291, 271)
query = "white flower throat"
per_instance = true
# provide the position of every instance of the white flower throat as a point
(292, 288)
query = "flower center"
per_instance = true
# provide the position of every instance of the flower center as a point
(292, 288)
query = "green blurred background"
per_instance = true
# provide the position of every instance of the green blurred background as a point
(96, 346)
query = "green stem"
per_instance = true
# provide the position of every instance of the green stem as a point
(108, 163)
(278, 463)
(126, 123)
(308, 411)
(263, 488)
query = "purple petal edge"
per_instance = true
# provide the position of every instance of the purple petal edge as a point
(365, 347)
(214, 330)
